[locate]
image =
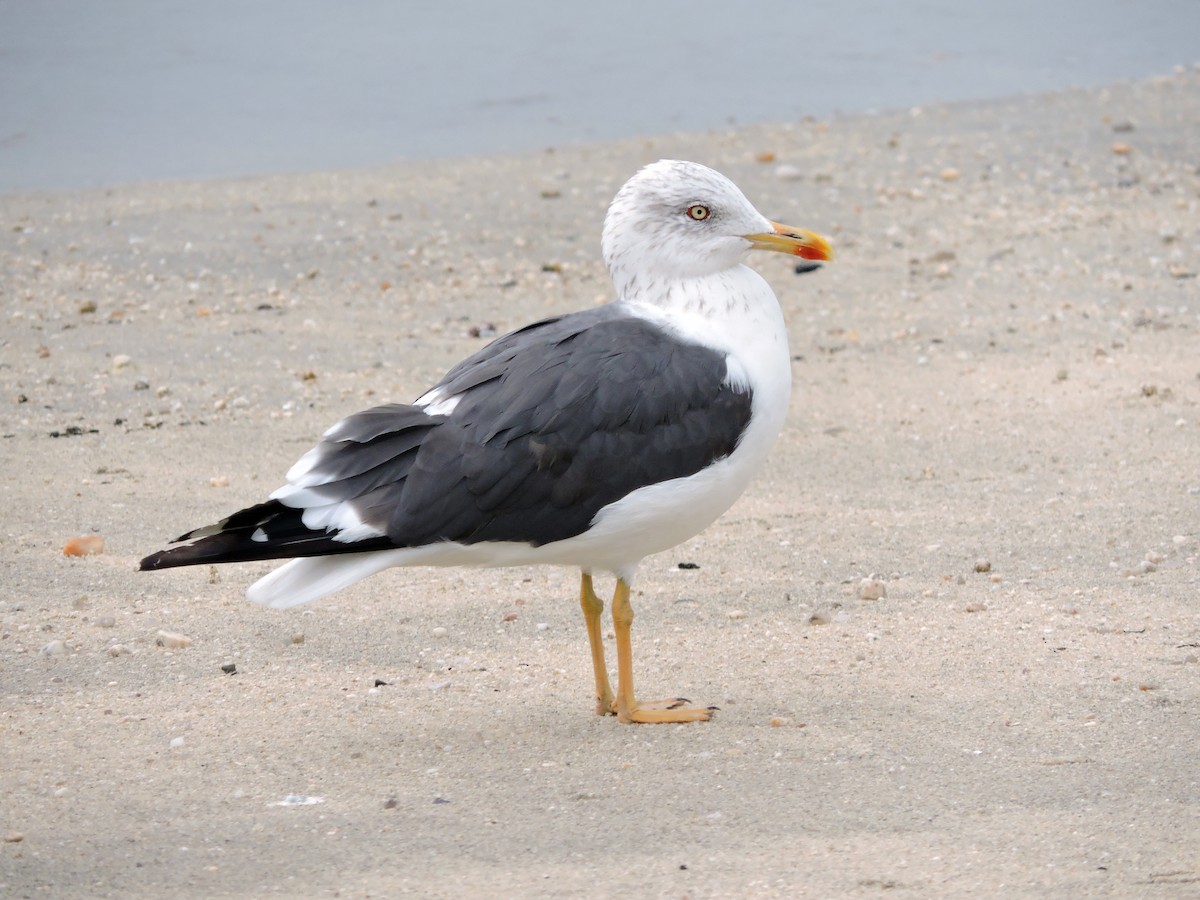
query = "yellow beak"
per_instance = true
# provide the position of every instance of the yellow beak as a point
(793, 241)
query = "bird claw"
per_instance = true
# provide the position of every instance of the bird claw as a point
(670, 710)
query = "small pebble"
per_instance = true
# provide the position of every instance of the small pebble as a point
(950, 174)
(299, 800)
(778, 721)
(510, 617)
(737, 614)
(786, 172)
(118, 650)
(542, 626)
(1122, 149)
(439, 632)
(484, 330)
(54, 648)
(171, 640)
(176, 742)
(13, 837)
(219, 481)
(983, 565)
(121, 361)
(872, 588)
(819, 618)
(106, 621)
(84, 545)
(298, 637)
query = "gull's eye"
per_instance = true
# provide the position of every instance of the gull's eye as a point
(699, 212)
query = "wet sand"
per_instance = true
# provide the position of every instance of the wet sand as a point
(996, 415)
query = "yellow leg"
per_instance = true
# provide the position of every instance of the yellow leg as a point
(593, 606)
(628, 708)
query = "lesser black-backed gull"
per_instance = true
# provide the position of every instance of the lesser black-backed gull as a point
(592, 439)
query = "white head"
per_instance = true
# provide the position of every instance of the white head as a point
(680, 220)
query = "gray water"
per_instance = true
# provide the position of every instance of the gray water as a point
(97, 92)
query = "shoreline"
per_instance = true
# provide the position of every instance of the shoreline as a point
(716, 134)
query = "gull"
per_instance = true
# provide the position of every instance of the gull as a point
(590, 440)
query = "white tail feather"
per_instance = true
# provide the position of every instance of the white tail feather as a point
(304, 580)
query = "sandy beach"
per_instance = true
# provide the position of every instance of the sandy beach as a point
(996, 417)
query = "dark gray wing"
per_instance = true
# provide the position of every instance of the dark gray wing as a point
(557, 421)
(554, 422)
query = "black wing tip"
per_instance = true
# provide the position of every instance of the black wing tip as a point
(212, 548)
(174, 556)
(235, 548)
(166, 559)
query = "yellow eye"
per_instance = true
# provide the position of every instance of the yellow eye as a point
(699, 212)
